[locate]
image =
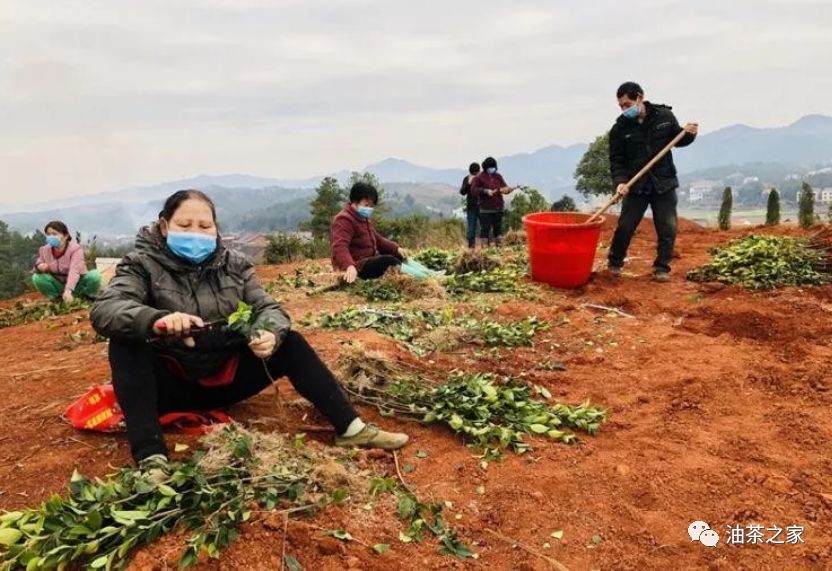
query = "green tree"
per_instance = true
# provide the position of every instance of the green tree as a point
(592, 175)
(17, 258)
(565, 204)
(773, 208)
(283, 248)
(328, 201)
(526, 201)
(806, 208)
(725, 209)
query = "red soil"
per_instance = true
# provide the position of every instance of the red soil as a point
(718, 411)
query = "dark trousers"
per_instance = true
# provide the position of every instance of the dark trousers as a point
(664, 218)
(473, 216)
(146, 388)
(375, 267)
(491, 225)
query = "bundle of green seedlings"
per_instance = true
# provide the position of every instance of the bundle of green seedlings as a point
(765, 262)
(437, 259)
(298, 280)
(491, 413)
(508, 279)
(212, 494)
(395, 287)
(426, 331)
(29, 312)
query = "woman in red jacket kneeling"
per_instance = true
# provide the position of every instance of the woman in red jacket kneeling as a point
(358, 249)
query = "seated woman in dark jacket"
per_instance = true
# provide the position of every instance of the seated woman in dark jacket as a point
(178, 279)
(358, 249)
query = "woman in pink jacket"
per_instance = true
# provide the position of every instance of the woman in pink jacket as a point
(61, 272)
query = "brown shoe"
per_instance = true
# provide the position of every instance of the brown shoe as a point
(371, 436)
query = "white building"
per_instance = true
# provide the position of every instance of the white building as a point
(700, 190)
(823, 195)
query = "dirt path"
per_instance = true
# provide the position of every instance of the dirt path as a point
(718, 412)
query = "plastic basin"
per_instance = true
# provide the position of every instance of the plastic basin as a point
(562, 247)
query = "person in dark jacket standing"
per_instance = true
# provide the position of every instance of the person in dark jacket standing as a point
(472, 207)
(642, 130)
(178, 279)
(357, 248)
(489, 188)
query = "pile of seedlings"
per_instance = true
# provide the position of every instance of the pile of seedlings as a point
(31, 311)
(437, 259)
(427, 331)
(764, 262)
(491, 413)
(212, 493)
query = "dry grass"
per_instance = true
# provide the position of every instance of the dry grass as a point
(475, 261)
(412, 288)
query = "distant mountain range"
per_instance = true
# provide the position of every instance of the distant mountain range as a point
(805, 142)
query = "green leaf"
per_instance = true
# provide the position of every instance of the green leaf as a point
(381, 547)
(292, 564)
(481, 490)
(557, 534)
(9, 536)
(539, 428)
(596, 539)
(405, 538)
(341, 534)
(456, 422)
(340, 495)
(99, 562)
(421, 454)
(180, 447)
(166, 490)
(406, 505)
(130, 515)
(11, 517)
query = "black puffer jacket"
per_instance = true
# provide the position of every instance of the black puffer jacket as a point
(151, 282)
(633, 144)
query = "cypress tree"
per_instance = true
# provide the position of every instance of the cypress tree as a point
(806, 212)
(773, 208)
(725, 209)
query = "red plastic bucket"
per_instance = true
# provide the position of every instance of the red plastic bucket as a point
(562, 247)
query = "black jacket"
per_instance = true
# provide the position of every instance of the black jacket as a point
(633, 144)
(471, 202)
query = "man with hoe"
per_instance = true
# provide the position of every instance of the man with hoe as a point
(641, 131)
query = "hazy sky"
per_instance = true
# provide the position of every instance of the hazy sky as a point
(99, 94)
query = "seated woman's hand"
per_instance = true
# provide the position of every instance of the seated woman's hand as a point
(403, 254)
(43, 267)
(178, 325)
(350, 275)
(264, 344)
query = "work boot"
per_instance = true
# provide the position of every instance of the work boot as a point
(155, 468)
(371, 436)
(661, 276)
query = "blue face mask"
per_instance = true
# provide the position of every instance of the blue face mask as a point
(365, 211)
(631, 112)
(195, 248)
(54, 241)
(491, 170)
